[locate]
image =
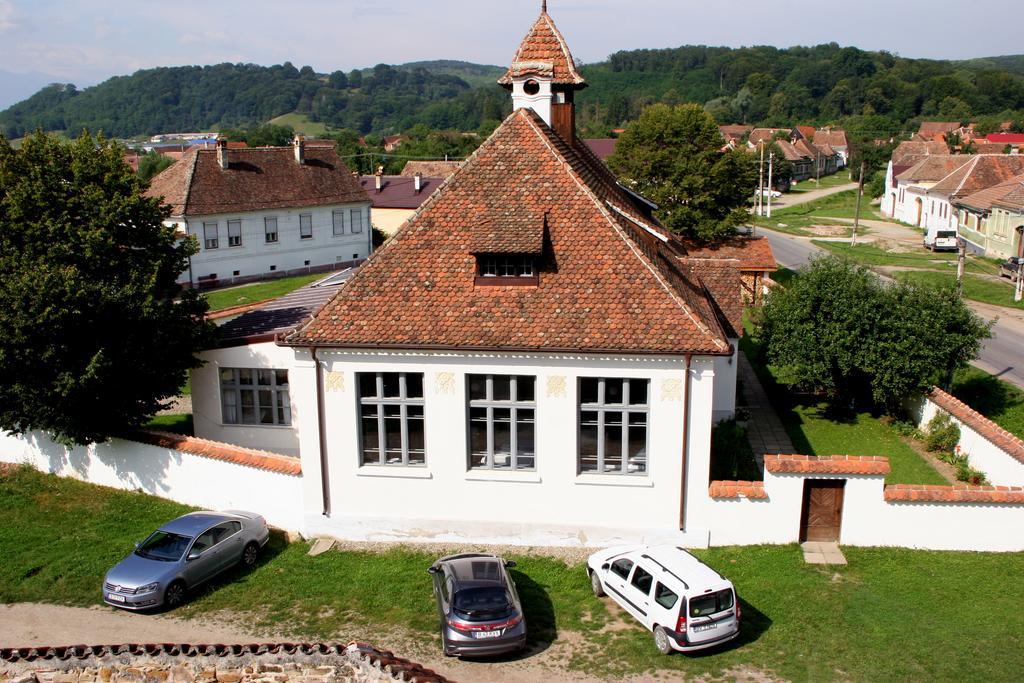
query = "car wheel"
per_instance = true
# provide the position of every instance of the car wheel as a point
(175, 594)
(596, 586)
(661, 641)
(250, 555)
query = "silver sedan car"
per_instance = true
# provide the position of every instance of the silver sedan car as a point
(182, 554)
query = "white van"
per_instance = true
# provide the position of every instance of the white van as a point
(938, 239)
(686, 604)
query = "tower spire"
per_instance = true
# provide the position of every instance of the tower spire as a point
(544, 6)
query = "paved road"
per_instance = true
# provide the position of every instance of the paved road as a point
(1002, 355)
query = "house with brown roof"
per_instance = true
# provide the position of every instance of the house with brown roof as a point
(980, 172)
(395, 198)
(991, 220)
(906, 155)
(912, 185)
(531, 329)
(265, 212)
(836, 139)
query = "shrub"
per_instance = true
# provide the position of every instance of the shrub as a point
(966, 473)
(943, 434)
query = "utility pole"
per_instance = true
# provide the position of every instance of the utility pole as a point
(771, 162)
(760, 183)
(817, 167)
(1018, 293)
(856, 217)
(961, 260)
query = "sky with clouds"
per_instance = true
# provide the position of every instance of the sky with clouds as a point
(87, 41)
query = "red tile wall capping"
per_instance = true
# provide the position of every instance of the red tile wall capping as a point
(1009, 443)
(215, 450)
(827, 464)
(961, 493)
(738, 489)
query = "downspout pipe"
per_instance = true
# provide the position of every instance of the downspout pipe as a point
(325, 479)
(686, 444)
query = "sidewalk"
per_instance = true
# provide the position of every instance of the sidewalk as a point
(764, 430)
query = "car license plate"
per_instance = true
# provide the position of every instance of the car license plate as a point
(704, 627)
(116, 598)
(487, 634)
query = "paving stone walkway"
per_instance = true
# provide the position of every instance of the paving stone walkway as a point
(764, 430)
(819, 552)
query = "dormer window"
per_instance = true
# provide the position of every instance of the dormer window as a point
(507, 269)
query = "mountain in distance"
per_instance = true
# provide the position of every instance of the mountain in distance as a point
(878, 93)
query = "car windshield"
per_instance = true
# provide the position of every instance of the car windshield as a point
(946, 234)
(712, 603)
(163, 546)
(483, 602)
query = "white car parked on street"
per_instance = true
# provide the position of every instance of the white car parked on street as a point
(686, 604)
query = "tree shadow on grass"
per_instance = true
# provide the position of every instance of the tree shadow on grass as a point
(274, 547)
(986, 394)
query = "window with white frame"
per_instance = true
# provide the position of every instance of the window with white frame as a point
(502, 413)
(210, 235)
(255, 397)
(356, 218)
(270, 229)
(613, 425)
(338, 219)
(391, 419)
(234, 233)
(305, 226)
(506, 265)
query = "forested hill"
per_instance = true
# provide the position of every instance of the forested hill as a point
(875, 92)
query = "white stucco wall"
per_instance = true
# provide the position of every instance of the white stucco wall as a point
(725, 385)
(256, 257)
(983, 455)
(389, 221)
(206, 400)
(445, 501)
(867, 519)
(183, 477)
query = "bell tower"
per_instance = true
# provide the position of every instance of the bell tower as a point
(543, 76)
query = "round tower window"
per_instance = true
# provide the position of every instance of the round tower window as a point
(531, 87)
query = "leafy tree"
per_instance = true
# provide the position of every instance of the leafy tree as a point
(338, 80)
(94, 331)
(355, 79)
(839, 330)
(672, 155)
(151, 164)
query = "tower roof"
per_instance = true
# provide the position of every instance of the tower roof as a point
(544, 53)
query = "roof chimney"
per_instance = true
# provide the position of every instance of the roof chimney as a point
(417, 182)
(299, 144)
(222, 152)
(379, 178)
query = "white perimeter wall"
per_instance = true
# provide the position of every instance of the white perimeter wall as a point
(983, 455)
(725, 384)
(445, 501)
(868, 520)
(183, 477)
(206, 405)
(255, 256)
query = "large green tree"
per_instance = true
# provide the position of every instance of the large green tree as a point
(839, 330)
(94, 331)
(672, 156)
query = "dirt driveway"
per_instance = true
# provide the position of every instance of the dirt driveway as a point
(33, 624)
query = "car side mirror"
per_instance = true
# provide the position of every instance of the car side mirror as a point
(192, 556)
(604, 567)
(432, 570)
(137, 544)
(510, 563)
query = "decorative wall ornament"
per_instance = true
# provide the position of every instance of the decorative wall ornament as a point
(335, 382)
(556, 386)
(445, 383)
(671, 390)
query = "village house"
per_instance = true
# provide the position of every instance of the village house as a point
(396, 197)
(978, 173)
(265, 212)
(991, 221)
(906, 155)
(912, 185)
(531, 329)
(835, 139)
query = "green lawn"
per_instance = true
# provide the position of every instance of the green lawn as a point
(178, 424)
(834, 180)
(796, 219)
(889, 615)
(997, 293)
(300, 123)
(999, 401)
(220, 299)
(871, 255)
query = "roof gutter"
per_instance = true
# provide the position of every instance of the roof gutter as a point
(370, 346)
(686, 443)
(325, 479)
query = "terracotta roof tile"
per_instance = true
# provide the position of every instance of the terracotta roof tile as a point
(934, 167)
(1012, 444)
(827, 464)
(929, 129)
(982, 171)
(545, 53)
(832, 137)
(602, 147)
(754, 253)
(919, 493)
(909, 153)
(753, 490)
(610, 279)
(261, 460)
(724, 283)
(256, 179)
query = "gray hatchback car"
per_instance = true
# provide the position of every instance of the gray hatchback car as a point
(182, 554)
(479, 607)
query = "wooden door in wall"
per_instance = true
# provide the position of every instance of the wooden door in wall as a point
(822, 516)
